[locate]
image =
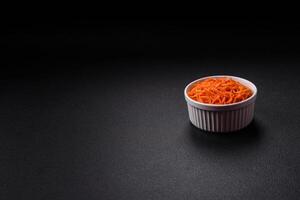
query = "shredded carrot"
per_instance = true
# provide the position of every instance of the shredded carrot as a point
(219, 91)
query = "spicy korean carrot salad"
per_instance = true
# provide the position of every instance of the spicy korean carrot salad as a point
(219, 91)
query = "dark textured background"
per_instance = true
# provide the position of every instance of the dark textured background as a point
(93, 108)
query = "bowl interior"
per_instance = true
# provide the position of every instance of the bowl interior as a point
(244, 82)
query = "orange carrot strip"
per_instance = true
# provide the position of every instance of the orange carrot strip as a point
(219, 91)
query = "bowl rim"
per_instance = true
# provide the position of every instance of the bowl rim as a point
(219, 106)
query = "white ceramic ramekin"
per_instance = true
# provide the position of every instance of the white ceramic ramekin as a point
(221, 118)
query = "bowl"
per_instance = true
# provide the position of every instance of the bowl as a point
(221, 117)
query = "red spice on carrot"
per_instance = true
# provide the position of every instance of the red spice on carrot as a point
(219, 91)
